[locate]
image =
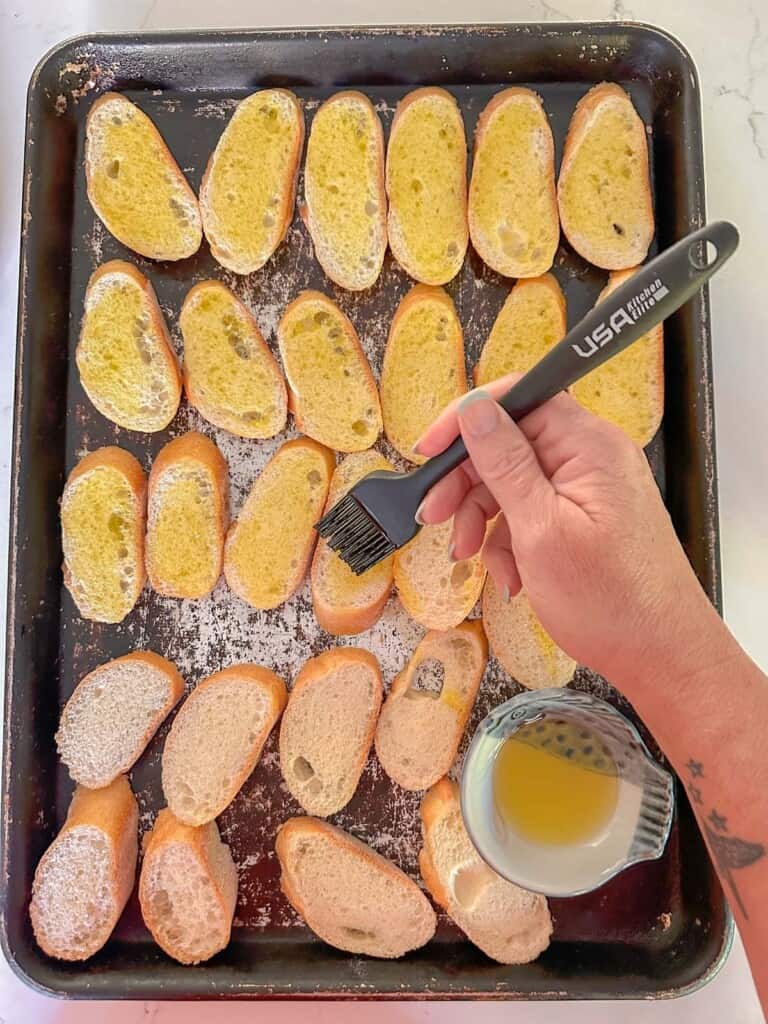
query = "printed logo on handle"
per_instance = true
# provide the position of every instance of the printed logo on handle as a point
(625, 316)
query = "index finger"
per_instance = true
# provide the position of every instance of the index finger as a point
(445, 428)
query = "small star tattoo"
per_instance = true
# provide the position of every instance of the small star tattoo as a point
(719, 821)
(696, 768)
(696, 794)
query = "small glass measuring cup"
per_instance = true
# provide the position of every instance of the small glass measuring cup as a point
(637, 830)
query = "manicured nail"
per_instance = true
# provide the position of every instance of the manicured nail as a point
(452, 553)
(505, 593)
(416, 450)
(418, 517)
(479, 413)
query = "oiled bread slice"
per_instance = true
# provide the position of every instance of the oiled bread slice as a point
(424, 716)
(520, 642)
(112, 715)
(346, 206)
(507, 923)
(629, 389)
(249, 186)
(349, 895)
(187, 517)
(103, 512)
(230, 375)
(187, 888)
(268, 548)
(426, 181)
(513, 220)
(85, 877)
(217, 738)
(531, 321)
(344, 603)
(435, 591)
(328, 726)
(127, 366)
(135, 185)
(604, 188)
(423, 368)
(332, 392)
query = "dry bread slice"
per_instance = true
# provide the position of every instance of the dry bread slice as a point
(423, 368)
(509, 924)
(112, 715)
(604, 188)
(135, 185)
(85, 877)
(426, 181)
(429, 704)
(531, 321)
(349, 895)
(187, 889)
(249, 186)
(520, 642)
(127, 365)
(103, 512)
(217, 738)
(230, 375)
(328, 726)
(269, 547)
(187, 516)
(512, 203)
(346, 206)
(629, 389)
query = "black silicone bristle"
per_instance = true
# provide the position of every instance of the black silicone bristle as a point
(354, 535)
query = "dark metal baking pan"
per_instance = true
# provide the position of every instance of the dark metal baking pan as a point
(657, 930)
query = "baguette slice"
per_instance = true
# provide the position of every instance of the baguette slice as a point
(112, 715)
(187, 889)
(427, 186)
(423, 369)
(249, 186)
(230, 375)
(604, 188)
(520, 642)
(124, 355)
(346, 206)
(217, 738)
(424, 716)
(187, 517)
(628, 390)
(134, 184)
(436, 592)
(530, 322)
(509, 924)
(268, 548)
(345, 603)
(103, 512)
(332, 392)
(328, 726)
(85, 877)
(512, 203)
(349, 895)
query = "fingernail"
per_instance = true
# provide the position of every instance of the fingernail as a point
(505, 593)
(479, 413)
(416, 450)
(418, 517)
(452, 553)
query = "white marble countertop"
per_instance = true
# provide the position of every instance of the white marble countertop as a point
(729, 43)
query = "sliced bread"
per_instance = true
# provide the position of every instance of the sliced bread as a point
(217, 738)
(629, 389)
(127, 366)
(328, 726)
(135, 185)
(349, 895)
(230, 375)
(427, 186)
(112, 715)
(427, 709)
(509, 924)
(187, 889)
(249, 186)
(521, 644)
(269, 547)
(187, 517)
(346, 206)
(103, 513)
(604, 188)
(512, 203)
(86, 875)
(423, 369)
